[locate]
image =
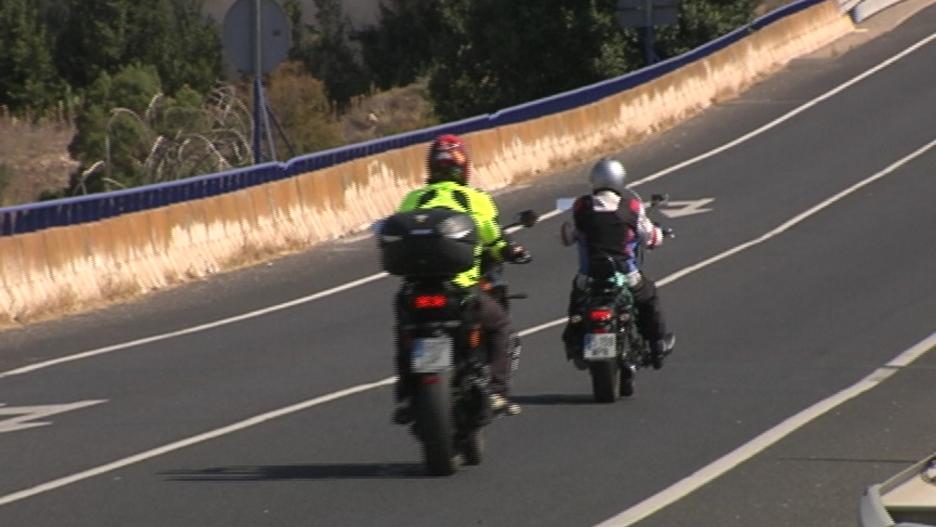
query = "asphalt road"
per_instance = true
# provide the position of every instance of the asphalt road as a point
(813, 269)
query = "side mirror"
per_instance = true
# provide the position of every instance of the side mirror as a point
(658, 199)
(528, 218)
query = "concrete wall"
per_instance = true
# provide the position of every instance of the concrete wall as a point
(73, 268)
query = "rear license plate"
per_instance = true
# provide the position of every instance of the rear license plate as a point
(431, 355)
(600, 346)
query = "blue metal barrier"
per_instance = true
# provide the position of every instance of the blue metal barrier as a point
(72, 211)
(95, 207)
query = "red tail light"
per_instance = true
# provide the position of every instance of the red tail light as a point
(429, 301)
(430, 379)
(600, 315)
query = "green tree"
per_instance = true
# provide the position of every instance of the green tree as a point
(327, 52)
(399, 49)
(176, 37)
(29, 80)
(101, 36)
(701, 21)
(131, 134)
(94, 40)
(111, 130)
(496, 54)
(491, 54)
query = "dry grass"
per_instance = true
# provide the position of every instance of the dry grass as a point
(34, 157)
(386, 113)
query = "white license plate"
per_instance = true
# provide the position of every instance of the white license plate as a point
(600, 346)
(431, 355)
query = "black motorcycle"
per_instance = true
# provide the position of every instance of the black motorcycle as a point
(611, 346)
(438, 331)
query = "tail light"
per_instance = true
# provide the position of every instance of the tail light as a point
(429, 301)
(430, 379)
(600, 315)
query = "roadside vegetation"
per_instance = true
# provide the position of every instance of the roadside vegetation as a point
(98, 95)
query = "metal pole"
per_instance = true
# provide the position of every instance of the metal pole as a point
(266, 124)
(648, 32)
(282, 134)
(258, 88)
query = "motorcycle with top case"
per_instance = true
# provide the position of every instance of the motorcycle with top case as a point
(441, 351)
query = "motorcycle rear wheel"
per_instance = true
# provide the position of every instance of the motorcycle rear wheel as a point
(435, 426)
(605, 377)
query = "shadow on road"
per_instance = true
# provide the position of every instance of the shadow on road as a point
(547, 399)
(299, 472)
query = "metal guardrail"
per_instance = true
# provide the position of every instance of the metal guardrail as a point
(96, 207)
(907, 499)
(848, 5)
(72, 211)
(864, 9)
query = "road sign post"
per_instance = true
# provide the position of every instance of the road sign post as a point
(268, 28)
(646, 15)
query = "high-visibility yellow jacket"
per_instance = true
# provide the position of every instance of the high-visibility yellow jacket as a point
(477, 203)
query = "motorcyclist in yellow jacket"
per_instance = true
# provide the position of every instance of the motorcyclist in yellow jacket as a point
(446, 187)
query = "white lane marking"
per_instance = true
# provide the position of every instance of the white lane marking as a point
(901, 360)
(216, 323)
(793, 113)
(142, 456)
(760, 443)
(27, 415)
(193, 329)
(373, 277)
(679, 209)
(787, 225)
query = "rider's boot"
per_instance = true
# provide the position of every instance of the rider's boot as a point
(573, 348)
(403, 414)
(502, 405)
(660, 349)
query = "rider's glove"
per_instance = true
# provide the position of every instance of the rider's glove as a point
(515, 253)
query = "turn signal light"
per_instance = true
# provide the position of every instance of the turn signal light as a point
(600, 315)
(429, 301)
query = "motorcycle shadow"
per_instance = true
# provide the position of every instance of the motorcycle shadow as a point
(553, 399)
(321, 471)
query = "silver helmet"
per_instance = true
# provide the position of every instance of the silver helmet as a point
(608, 174)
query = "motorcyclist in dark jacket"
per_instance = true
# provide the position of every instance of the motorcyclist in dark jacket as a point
(611, 222)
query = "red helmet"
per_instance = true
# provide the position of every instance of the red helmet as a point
(448, 160)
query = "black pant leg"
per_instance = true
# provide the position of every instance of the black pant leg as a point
(649, 314)
(495, 323)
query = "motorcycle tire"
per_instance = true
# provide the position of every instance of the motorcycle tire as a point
(435, 426)
(605, 377)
